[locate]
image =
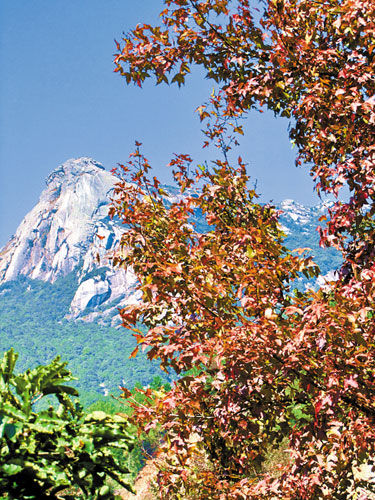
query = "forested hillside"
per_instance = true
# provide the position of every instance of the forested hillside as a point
(32, 322)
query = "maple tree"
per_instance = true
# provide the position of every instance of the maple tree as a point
(258, 364)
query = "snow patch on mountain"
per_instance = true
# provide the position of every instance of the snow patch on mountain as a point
(297, 212)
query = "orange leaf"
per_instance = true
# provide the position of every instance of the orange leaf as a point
(134, 353)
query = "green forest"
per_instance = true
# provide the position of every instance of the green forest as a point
(32, 323)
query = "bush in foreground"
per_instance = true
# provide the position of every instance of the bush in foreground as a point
(55, 451)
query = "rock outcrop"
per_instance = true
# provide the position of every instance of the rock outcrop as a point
(69, 231)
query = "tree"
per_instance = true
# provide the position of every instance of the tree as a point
(56, 452)
(259, 364)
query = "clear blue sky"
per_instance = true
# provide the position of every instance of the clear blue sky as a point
(59, 99)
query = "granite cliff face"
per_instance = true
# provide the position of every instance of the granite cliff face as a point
(69, 231)
(60, 235)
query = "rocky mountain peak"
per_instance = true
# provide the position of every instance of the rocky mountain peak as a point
(73, 168)
(69, 230)
(300, 214)
(55, 235)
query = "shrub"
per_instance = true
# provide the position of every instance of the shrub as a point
(58, 449)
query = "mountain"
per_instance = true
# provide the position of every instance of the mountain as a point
(50, 277)
(299, 224)
(57, 299)
(69, 231)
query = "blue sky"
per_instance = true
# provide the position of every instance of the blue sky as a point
(59, 99)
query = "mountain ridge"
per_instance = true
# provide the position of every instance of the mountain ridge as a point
(69, 230)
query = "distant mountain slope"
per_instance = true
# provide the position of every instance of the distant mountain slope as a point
(300, 226)
(32, 322)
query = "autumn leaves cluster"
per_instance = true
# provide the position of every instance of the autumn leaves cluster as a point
(261, 364)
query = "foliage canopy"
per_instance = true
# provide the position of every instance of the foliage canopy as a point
(264, 365)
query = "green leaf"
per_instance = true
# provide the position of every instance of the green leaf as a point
(10, 469)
